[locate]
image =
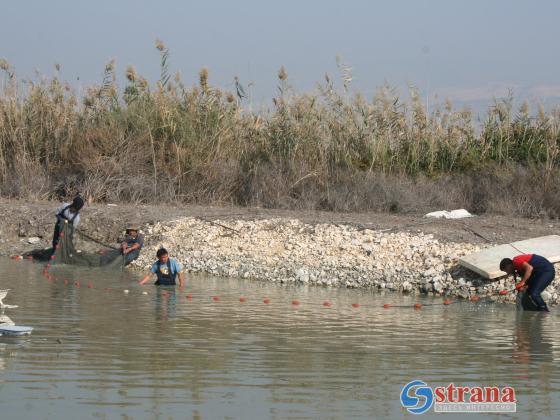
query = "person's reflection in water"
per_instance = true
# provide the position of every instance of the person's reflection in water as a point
(166, 303)
(533, 354)
(531, 344)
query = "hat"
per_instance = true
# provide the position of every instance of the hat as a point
(132, 226)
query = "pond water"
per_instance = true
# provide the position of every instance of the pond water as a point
(97, 353)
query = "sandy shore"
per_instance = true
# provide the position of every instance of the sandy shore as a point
(406, 253)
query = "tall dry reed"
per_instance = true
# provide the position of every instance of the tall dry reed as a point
(327, 149)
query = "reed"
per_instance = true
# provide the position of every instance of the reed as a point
(325, 149)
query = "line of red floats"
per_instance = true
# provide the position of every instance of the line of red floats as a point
(266, 301)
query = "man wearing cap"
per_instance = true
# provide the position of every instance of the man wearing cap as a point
(131, 244)
(69, 212)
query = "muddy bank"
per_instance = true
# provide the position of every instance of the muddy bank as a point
(384, 251)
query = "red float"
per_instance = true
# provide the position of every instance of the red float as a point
(242, 299)
(355, 305)
(295, 302)
(447, 302)
(266, 301)
(189, 296)
(417, 306)
(475, 298)
(503, 292)
(327, 304)
(215, 298)
(386, 306)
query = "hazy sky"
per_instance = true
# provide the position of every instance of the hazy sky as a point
(468, 50)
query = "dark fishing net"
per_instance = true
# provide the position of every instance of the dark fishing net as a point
(86, 255)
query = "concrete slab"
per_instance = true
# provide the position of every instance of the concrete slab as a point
(487, 262)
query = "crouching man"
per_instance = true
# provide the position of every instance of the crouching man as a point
(536, 274)
(166, 269)
(131, 244)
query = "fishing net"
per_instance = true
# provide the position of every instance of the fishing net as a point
(87, 254)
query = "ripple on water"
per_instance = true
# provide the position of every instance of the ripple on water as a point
(96, 351)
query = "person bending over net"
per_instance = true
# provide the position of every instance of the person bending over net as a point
(69, 212)
(536, 274)
(131, 244)
(166, 269)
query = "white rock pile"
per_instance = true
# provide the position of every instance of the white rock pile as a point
(289, 251)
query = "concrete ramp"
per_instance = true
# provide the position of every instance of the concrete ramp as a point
(487, 262)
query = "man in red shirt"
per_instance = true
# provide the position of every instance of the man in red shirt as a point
(536, 274)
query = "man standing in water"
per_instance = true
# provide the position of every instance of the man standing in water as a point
(536, 274)
(166, 269)
(69, 212)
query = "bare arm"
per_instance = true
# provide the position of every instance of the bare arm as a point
(181, 280)
(127, 249)
(145, 279)
(528, 270)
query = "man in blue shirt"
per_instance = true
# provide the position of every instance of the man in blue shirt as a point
(166, 269)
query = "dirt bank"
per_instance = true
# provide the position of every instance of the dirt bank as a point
(21, 220)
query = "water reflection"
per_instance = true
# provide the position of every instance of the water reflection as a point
(162, 354)
(6, 320)
(165, 303)
(532, 341)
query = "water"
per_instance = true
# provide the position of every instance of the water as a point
(106, 354)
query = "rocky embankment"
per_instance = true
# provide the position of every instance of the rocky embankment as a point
(376, 250)
(290, 251)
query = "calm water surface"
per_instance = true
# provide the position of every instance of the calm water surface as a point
(106, 354)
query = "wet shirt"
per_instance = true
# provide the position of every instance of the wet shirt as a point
(173, 263)
(68, 214)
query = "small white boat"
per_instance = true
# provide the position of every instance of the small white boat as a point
(15, 330)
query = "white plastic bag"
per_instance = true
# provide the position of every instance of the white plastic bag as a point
(444, 214)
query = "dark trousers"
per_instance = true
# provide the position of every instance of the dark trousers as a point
(539, 281)
(56, 234)
(131, 256)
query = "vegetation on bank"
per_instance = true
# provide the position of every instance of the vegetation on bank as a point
(327, 149)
